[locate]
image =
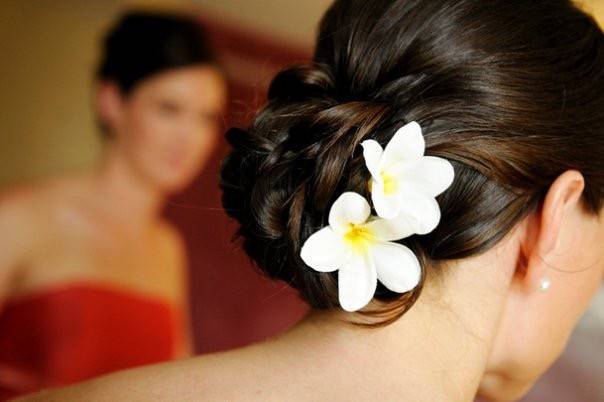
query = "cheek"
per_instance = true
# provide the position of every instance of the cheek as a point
(203, 146)
(187, 150)
(150, 129)
(145, 139)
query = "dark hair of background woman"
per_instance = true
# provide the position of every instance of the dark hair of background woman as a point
(512, 93)
(142, 44)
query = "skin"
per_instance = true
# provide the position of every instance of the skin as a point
(104, 226)
(482, 327)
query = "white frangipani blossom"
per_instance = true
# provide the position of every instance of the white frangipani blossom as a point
(360, 247)
(404, 182)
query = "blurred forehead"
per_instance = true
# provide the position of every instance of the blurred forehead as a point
(196, 85)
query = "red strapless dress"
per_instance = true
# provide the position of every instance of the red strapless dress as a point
(80, 331)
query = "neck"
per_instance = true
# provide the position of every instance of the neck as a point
(438, 350)
(124, 193)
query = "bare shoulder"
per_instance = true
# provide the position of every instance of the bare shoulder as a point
(197, 379)
(19, 210)
(21, 228)
(34, 206)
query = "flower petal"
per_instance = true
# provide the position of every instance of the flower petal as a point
(430, 174)
(372, 152)
(324, 251)
(357, 282)
(386, 206)
(390, 230)
(419, 211)
(349, 208)
(406, 145)
(397, 266)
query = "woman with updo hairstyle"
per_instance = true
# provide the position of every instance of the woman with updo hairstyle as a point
(510, 95)
(92, 278)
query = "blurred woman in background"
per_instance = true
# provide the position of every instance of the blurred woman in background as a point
(92, 279)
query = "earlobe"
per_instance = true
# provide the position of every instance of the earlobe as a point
(543, 229)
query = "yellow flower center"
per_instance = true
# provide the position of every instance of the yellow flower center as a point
(359, 238)
(390, 184)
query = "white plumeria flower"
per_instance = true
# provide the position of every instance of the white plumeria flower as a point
(404, 181)
(360, 247)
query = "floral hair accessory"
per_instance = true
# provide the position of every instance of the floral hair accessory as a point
(361, 246)
(404, 182)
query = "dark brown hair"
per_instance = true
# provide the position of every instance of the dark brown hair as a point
(510, 92)
(143, 44)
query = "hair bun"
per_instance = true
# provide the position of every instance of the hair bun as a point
(396, 62)
(302, 82)
(285, 170)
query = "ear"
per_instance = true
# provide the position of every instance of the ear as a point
(544, 227)
(109, 104)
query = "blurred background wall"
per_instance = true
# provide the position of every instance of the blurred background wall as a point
(47, 54)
